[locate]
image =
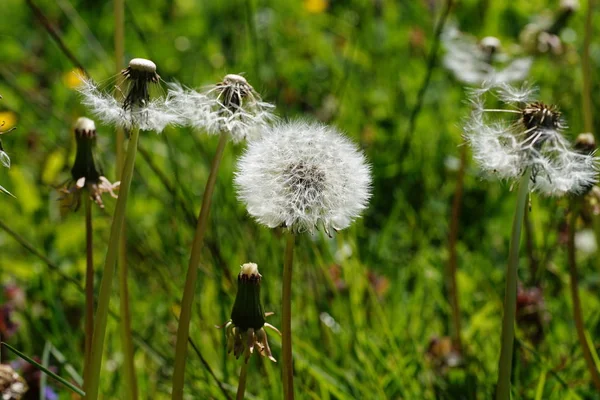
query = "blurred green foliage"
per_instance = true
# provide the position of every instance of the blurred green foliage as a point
(367, 302)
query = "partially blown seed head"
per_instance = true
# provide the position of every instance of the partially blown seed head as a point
(303, 175)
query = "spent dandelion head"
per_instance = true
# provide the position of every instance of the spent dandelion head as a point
(137, 109)
(302, 175)
(12, 385)
(527, 134)
(231, 106)
(85, 172)
(245, 330)
(473, 62)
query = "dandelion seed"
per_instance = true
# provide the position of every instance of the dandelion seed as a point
(301, 175)
(474, 62)
(231, 106)
(508, 146)
(245, 331)
(137, 109)
(85, 173)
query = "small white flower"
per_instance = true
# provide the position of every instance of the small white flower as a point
(474, 62)
(137, 109)
(507, 147)
(232, 106)
(301, 175)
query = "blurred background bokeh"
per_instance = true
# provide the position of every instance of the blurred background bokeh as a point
(371, 313)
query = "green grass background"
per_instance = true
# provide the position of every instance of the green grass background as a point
(359, 65)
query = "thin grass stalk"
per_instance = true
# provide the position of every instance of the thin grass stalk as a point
(89, 289)
(452, 240)
(286, 318)
(510, 295)
(241, 390)
(183, 330)
(577, 312)
(109, 267)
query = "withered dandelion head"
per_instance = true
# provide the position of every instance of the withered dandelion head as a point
(85, 172)
(246, 330)
(137, 109)
(526, 135)
(231, 106)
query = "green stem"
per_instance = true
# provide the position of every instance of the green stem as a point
(183, 330)
(510, 295)
(286, 318)
(578, 314)
(109, 267)
(89, 289)
(452, 240)
(587, 71)
(242, 382)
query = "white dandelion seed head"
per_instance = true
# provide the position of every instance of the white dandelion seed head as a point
(526, 135)
(302, 175)
(231, 106)
(474, 62)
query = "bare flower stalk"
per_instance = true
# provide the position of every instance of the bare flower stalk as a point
(510, 295)
(183, 330)
(109, 268)
(577, 312)
(286, 318)
(241, 390)
(89, 290)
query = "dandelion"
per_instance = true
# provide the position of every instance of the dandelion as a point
(474, 62)
(85, 172)
(302, 176)
(231, 109)
(137, 109)
(528, 146)
(12, 386)
(231, 106)
(532, 140)
(542, 35)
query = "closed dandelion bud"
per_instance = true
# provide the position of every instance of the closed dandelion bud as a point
(137, 109)
(585, 143)
(85, 173)
(12, 386)
(245, 331)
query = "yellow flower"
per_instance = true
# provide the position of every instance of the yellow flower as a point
(74, 78)
(8, 120)
(315, 6)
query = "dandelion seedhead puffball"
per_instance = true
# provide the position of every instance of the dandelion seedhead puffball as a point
(302, 175)
(231, 106)
(137, 109)
(526, 135)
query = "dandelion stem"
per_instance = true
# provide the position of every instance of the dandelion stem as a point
(242, 382)
(453, 237)
(109, 267)
(286, 318)
(510, 295)
(183, 330)
(587, 70)
(89, 289)
(578, 314)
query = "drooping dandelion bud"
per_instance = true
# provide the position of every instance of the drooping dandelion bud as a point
(531, 139)
(303, 175)
(231, 106)
(85, 172)
(137, 109)
(245, 331)
(474, 62)
(12, 386)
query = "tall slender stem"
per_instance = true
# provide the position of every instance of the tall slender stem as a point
(587, 71)
(453, 238)
(183, 330)
(109, 267)
(286, 318)
(578, 314)
(89, 289)
(242, 382)
(510, 295)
